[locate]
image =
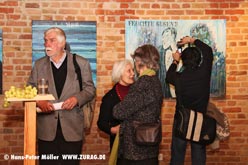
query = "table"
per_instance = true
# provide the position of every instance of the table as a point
(30, 125)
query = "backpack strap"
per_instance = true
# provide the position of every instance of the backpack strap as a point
(77, 70)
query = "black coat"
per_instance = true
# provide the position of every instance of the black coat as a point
(194, 84)
(105, 119)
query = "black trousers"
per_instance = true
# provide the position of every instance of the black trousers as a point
(59, 151)
(151, 161)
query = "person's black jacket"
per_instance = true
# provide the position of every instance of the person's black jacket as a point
(105, 119)
(194, 84)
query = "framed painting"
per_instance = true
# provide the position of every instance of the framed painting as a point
(80, 37)
(164, 35)
(1, 61)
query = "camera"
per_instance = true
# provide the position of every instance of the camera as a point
(179, 47)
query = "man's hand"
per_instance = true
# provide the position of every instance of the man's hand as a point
(186, 40)
(45, 106)
(176, 56)
(70, 103)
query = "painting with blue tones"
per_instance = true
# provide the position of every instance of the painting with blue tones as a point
(1, 62)
(164, 35)
(80, 35)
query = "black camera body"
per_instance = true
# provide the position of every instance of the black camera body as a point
(180, 47)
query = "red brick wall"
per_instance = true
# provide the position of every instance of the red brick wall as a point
(15, 22)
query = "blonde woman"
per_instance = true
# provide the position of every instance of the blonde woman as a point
(143, 104)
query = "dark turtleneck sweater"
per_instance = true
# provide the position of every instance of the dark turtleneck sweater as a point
(121, 90)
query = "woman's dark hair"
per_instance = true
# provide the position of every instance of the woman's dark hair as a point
(192, 57)
(149, 56)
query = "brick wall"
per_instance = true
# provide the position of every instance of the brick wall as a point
(15, 22)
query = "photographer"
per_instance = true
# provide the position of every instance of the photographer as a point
(194, 81)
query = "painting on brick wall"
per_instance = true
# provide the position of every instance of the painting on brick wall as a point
(1, 61)
(164, 35)
(80, 37)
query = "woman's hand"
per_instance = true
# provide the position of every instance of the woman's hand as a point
(115, 129)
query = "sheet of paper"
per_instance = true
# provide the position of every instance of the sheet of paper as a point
(57, 106)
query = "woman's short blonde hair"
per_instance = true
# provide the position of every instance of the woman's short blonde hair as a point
(148, 55)
(118, 69)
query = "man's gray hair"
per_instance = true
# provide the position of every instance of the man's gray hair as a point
(60, 33)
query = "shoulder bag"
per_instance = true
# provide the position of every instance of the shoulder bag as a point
(88, 108)
(222, 123)
(147, 134)
(192, 125)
